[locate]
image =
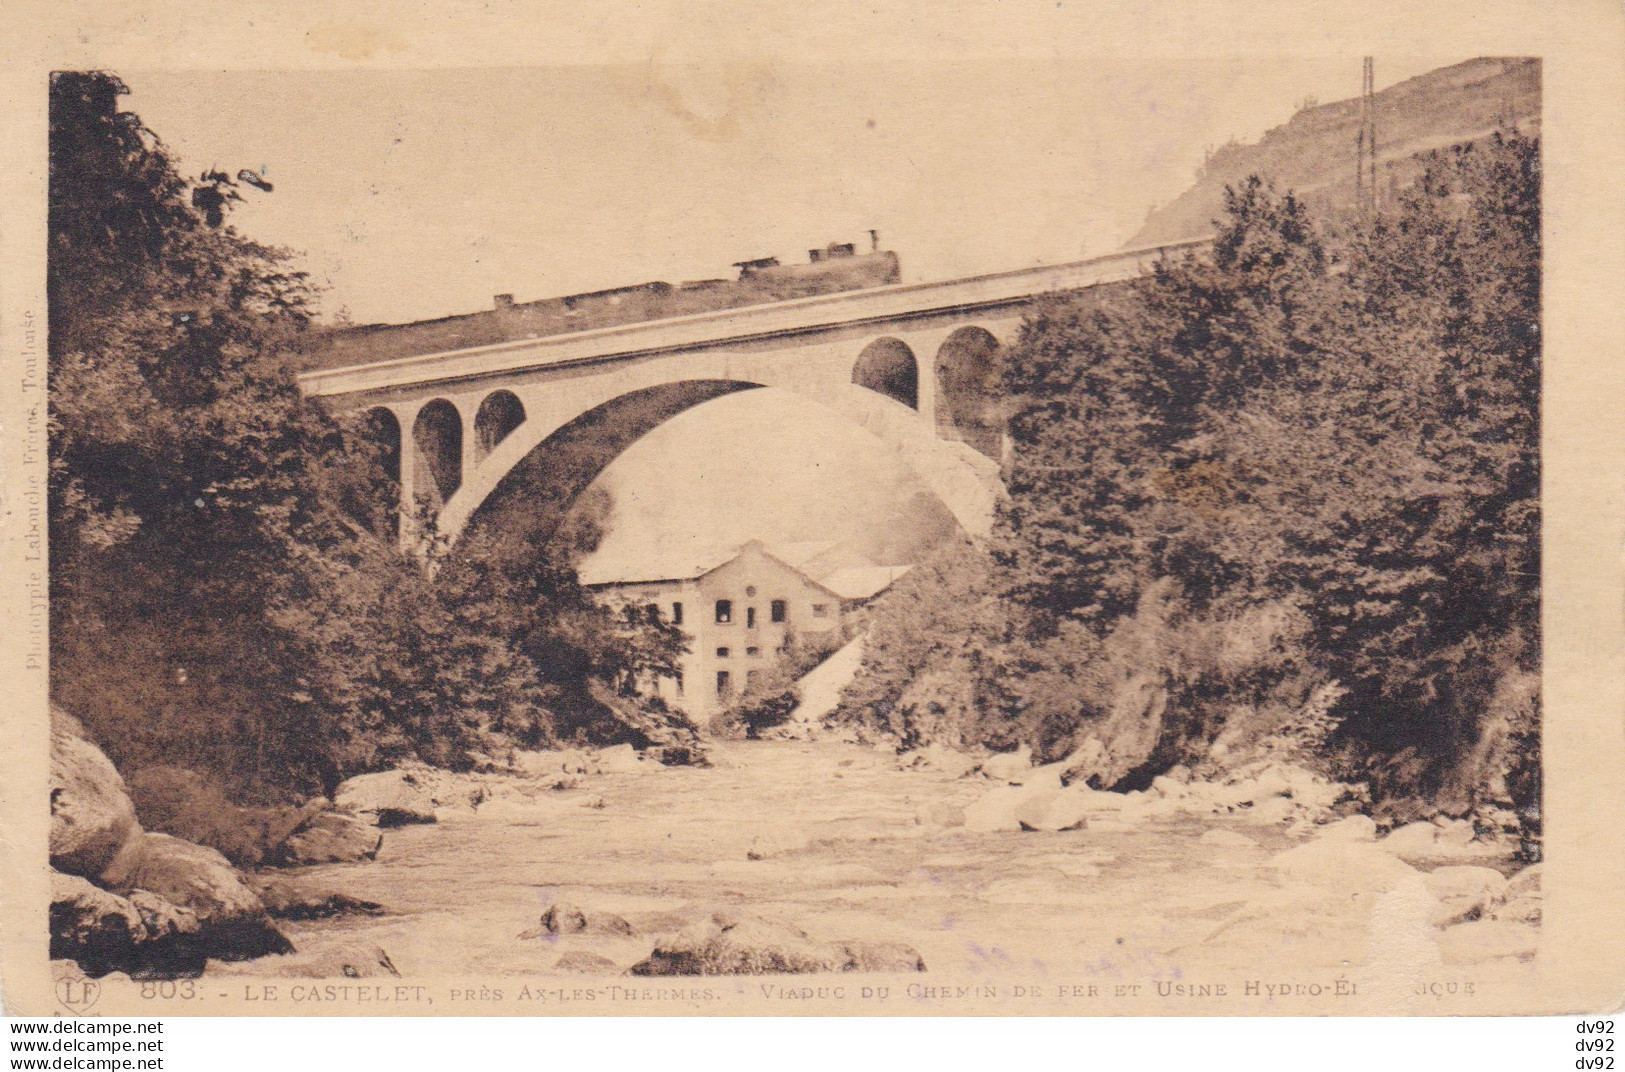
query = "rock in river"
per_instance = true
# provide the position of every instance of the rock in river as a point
(729, 943)
(329, 838)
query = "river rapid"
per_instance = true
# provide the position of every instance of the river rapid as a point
(829, 836)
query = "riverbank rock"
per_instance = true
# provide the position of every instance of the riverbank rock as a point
(402, 797)
(232, 922)
(329, 837)
(1008, 765)
(183, 803)
(1349, 865)
(1520, 900)
(621, 759)
(103, 932)
(92, 816)
(1440, 843)
(1351, 828)
(731, 943)
(1465, 892)
(287, 899)
(936, 757)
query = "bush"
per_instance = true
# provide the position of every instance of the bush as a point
(173, 800)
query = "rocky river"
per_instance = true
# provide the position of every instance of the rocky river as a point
(836, 841)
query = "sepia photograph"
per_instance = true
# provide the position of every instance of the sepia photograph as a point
(936, 537)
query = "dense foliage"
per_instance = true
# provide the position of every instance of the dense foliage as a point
(1296, 472)
(227, 590)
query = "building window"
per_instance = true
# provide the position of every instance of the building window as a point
(752, 677)
(722, 653)
(820, 610)
(725, 611)
(750, 589)
(677, 614)
(753, 652)
(750, 617)
(724, 683)
(776, 610)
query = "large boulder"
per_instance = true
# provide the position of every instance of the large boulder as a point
(1347, 865)
(328, 838)
(1125, 739)
(92, 817)
(1435, 844)
(1464, 892)
(401, 797)
(1061, 809)
(730, 943)
(232, 921)
(288, 899)
(1520, 900)
(620, 759)
(103, 932)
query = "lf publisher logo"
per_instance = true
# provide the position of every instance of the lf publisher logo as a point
(78, 995)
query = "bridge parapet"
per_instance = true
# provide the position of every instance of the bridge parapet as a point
(876, 306)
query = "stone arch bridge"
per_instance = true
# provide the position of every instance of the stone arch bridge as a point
(476, 431)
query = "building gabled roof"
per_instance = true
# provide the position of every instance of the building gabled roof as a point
(681, 566)
(862, 582)
(692, 566)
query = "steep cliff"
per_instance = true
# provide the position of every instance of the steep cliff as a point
(1314, 153)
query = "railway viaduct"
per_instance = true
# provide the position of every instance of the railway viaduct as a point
(476, 430)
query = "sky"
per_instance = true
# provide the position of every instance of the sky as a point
(416, 194)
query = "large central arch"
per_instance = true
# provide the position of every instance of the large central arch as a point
(528, 481)
(534, 496)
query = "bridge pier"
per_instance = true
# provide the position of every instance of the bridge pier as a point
(406, 508)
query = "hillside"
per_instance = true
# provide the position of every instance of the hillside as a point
(1313, 153)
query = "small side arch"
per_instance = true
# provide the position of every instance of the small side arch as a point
(968, 402)
(380, 427)
(437, 435)
(499, 414)
(887, 366)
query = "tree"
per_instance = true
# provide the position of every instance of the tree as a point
(1299, 458)
(227, 592)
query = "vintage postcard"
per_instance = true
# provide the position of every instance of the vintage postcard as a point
(1001, 509)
